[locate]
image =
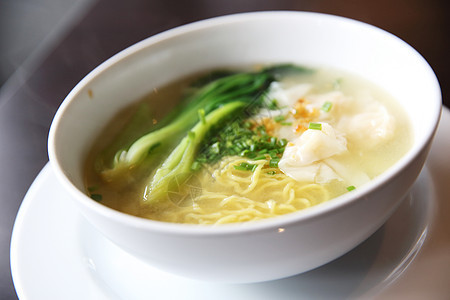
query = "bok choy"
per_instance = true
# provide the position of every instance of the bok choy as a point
(200, 113)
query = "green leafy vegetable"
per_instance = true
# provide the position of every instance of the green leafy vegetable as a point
(200, 118)
(180, 162)
(139, 124)
(222, 88)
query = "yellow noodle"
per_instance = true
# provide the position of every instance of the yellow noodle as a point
(230, 195)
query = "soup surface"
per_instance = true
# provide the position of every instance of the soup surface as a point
(235, 146)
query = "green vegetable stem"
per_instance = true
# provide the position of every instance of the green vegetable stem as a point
(245, 87)
(178, 164)
(222, 95)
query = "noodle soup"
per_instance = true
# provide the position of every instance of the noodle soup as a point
(246, 145)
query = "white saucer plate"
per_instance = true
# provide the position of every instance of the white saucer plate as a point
(56, 254)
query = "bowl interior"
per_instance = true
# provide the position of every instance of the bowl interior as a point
(303, 38)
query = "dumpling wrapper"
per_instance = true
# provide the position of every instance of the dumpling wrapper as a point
(373, 125)
(303, 158)
(289, 96)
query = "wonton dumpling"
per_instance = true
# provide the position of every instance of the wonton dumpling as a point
(337, 99)
(302, 157)
(373, 124)
(314, 145)
(288, 97)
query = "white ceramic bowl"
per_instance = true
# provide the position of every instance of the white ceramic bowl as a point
(273, 248)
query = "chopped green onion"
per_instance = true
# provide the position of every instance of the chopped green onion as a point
(215, 148)
(273, 163)
(326, 107)
(271, 172)
(244, 153)
(273, 105)
(92, 188)
(240, 145)
(261, 129)
(273, 153)
(251, 155)
(96, 197)
(279, 118)
(286, 123)
(245, 167)
(337, 83)
(315, 126)
(260, 157)
(246, 141)
(283, 142)
(236, 149)
(240, 168)
(351, 188)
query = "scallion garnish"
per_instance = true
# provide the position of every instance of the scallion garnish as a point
(244, 153)
(273, 140)
(337, 83)
(240, 168)
(273, 163)
(96, 197)
(351, 188)
(273, 105)
(251, 155)
(279, 118)
(273, 153)
(315, 126)
(215, 148)
(271, 172)
(245, 167)
(260, 157)
(92, 188)
(326, 107)
(238, 138)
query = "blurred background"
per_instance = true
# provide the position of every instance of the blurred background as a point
(47, 46)
(31, 29)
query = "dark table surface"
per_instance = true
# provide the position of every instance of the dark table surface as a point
(31, 97)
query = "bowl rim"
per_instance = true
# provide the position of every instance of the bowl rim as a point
(274, 223)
